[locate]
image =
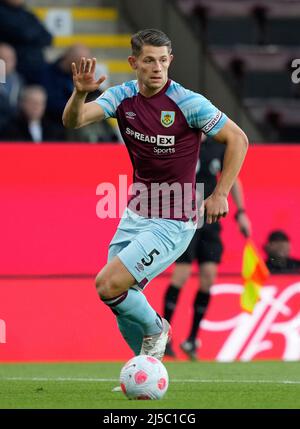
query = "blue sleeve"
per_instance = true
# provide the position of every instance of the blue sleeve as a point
(113, 97)
(198, 110)
(207, 117)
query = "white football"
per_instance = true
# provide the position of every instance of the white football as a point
(144, 377)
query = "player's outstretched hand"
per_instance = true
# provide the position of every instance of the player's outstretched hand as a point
(215, 206)
(84, 78)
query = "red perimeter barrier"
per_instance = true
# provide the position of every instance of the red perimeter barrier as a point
(48, 205)
(49, 226)
(64, 320)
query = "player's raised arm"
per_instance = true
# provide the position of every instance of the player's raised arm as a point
(236, 141)
(77, 113)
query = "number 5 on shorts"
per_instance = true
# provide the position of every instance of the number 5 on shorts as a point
(153, 252)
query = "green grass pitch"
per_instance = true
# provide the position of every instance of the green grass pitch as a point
(195, 385)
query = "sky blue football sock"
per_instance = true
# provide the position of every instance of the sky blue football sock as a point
(132, 333)
(134, 306)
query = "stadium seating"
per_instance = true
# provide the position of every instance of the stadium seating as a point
(228, 31)
(267, 84)
(283, 31)
(254, 43)
(95, 24)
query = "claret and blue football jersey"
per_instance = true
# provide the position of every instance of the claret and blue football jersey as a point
(162, 134)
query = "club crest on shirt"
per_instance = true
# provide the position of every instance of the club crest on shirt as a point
(167, 118)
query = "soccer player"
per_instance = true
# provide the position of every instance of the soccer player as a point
(206, 247)
(161, 123)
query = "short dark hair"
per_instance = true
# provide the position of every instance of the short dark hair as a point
(278, 235)
(150, 36)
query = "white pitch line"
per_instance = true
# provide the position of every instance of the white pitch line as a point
(79, 379)
(114, 380)
(239, 381)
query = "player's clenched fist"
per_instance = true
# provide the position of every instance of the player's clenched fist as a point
(216, 206)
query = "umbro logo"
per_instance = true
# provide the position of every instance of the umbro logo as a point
(130, 115)
(139, 267)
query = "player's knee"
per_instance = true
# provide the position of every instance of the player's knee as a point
(183, 278)
(208, 276)
(180, 276)
(106, 286)
(102, 285)
(205, 287)
(206, 282)
(179, 282)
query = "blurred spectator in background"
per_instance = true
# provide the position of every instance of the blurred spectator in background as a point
(260, 14)
(30, 124)
(22, 29)
(278, 251)
(237, 71)
(58, 82)
(10, 90)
